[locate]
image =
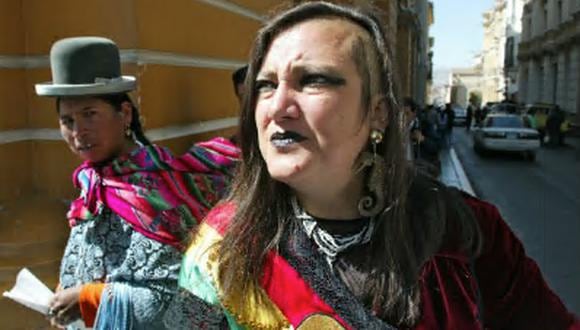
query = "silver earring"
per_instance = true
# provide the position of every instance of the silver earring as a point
(373, 202)
(128, 131)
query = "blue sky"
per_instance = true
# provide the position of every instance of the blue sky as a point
(458, 31)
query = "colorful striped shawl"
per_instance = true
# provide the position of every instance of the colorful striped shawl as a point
(287, 297)
(161, 196)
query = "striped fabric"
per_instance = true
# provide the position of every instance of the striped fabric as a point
(283, 301)
(161, 196)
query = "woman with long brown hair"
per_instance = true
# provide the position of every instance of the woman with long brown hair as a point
(328, 225)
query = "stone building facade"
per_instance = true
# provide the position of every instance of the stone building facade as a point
(549, 54)
(463, 83)
(414, 49)
(492, 56)
(513, 31)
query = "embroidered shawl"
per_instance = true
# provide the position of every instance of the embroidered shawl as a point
(161, 196)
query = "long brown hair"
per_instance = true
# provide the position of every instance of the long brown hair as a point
(264, 212)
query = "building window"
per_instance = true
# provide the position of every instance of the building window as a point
(560, 19)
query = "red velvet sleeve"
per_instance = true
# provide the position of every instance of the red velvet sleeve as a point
(513, 291)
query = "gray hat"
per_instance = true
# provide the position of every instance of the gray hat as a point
(85, 66)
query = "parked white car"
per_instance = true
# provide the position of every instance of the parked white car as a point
(507, 132)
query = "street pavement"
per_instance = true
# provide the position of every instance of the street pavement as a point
(540, 201)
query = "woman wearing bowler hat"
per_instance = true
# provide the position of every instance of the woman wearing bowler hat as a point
(137, 201)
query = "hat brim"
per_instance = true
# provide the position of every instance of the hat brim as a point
(125, 84)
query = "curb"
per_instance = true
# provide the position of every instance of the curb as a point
(460, 173)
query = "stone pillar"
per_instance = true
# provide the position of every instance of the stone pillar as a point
(562, 84)
(532, 82)
(550, 6)
(538, 24)
(548, 80)
(574, 79)
(567, 9)
(522, 81)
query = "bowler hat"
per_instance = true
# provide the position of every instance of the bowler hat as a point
(85, 66)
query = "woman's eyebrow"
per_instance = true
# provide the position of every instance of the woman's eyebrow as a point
(301, 69)
(320, 68)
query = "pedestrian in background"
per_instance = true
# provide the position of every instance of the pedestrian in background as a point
(137, 203)
(469, 115)
(445, 125)
(553, 124)
(478, 115)
(238, 78)
(430, 145)
(327, 226)
(416, 138)
(541, 117)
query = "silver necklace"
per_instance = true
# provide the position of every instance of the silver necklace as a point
(331, 245)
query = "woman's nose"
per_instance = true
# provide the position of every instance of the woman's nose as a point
(284, 104)
(79, 128)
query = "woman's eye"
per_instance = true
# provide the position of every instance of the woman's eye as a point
(89, 113)
(264, 86)
(320, 80)
(68, 122)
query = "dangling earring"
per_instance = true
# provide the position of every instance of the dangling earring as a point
(372, 203)
(128, 131)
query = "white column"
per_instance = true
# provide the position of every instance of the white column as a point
(538, 23)
(574, 79)
(530, 85)
(567, 10)
(547, 80)
(550, 5)
(522, 80)
(562, 84)
(534, 82)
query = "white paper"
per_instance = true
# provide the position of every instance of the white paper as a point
(30, 292)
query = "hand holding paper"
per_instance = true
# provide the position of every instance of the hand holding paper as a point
(30, 292)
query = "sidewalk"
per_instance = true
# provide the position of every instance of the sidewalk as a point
(452, 173)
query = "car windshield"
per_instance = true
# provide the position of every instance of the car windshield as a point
(507, 122)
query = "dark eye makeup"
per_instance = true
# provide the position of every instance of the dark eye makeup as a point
(321, 79)
(264, 85)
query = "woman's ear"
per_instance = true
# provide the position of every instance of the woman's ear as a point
(127, 113)
(379, 115)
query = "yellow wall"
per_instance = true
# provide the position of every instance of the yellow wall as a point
(15, 179)
(170, 28)
(13, 109)
(262, 7)
(171, 95)
(11, 32)
(48, 21)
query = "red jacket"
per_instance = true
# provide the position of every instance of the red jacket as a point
(503, 287)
